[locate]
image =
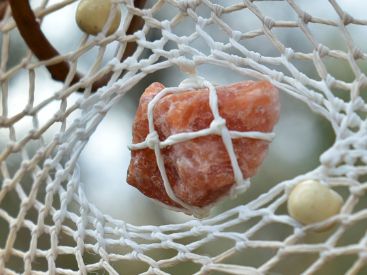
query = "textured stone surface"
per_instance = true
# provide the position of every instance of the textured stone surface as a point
(199, 170)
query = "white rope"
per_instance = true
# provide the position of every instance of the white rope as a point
(41, 193)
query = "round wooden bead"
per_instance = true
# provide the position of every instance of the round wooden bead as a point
(92, 15)
(311, 202)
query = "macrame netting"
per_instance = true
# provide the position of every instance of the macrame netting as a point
(47, 153)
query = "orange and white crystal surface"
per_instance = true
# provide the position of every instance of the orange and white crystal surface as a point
(199, 170)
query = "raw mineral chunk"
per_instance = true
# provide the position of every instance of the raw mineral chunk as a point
(199, 170)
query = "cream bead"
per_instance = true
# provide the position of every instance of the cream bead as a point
(92, 15)
(311, 202)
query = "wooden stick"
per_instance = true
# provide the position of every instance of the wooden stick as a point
(37, 42)
(3, 6)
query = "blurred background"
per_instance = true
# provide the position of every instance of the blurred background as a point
(301, 135)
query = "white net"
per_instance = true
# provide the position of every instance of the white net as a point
(47, 224)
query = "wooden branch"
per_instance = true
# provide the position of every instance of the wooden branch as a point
(3, 6)
(37, 42)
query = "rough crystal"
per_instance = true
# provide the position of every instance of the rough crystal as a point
(199, 170)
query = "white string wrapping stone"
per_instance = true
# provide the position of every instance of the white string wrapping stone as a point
(217, 127)
(43, 133)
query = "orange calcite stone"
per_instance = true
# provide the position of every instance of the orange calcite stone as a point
(199, 170)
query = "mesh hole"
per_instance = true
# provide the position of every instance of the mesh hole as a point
(48, 220)
(129, 267)
(216, 33)
(166, 12)
(341, 94)
(68, 28)
(260, 44)
(87, 59)
(338, 68)
(273, 232)
(342, 191)
(188, 239)
(353, 234)
(183, 268)
(118, 248)
(357, 31)
(66, 240)
(11, 203)
(13, 161)
(293, 38)
(90, 258)
(244, 225)
(41, 194)
(32, 215)
(40, 264)
(66, 261)
(307, 67)
(3, 232)
(27, 182)
(298, 262)
(316, 237)
(251, 23)
(185, 27)
(161, 254)
(17, 50)
(22, 239)
(338, 265)
(249, 256)
(361, 204)
(56, 201)
(281, 11)
(23, 126)
(44, 242)
(328, 36)
(215, 246)
(16, 264)
(327, 12)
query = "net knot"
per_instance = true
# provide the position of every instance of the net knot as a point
(218, 10)
(195, 82)
(288, 53)
(306, 17)
(152, 139)
(236, 35)
(181, 256)
(130, 62)
(269, 22)
(217, 125)
(329, 80)
(362, 81)
(357, 53)
(184, 5)
(322, 50)
(330, 158)
(28, 109)
(357, 191)
(101, 108)
(82, 134)
(25, 164)
(347, 19)
(156, 234)
(240, 245)
(327, 252)
(6, 184)
(186, 65)
(59, 138)
(277, 76)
